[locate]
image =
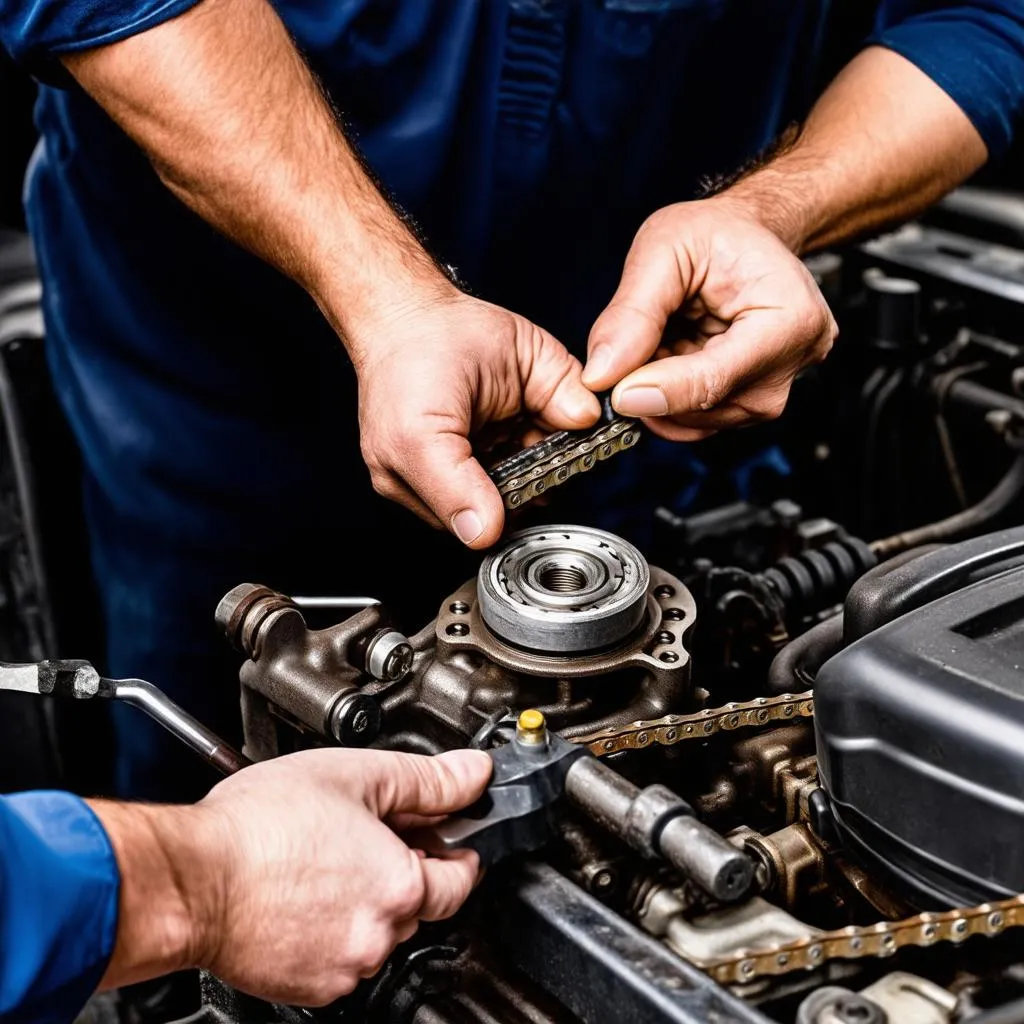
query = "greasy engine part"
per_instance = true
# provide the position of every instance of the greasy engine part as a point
(304, 678)
(536, 767)
(563, 590)
(464, 678)
(555, 460)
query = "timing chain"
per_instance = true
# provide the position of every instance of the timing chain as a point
(851, 943)
(551, 462)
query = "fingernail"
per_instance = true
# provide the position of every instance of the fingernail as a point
(598, 364)
(642, 400)
(467, 526)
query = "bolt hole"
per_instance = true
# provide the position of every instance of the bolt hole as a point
(457, 629)
(669, 656)
(458, 608)
(674, 614)
(664, 591)
(664, 637)
(561, 578)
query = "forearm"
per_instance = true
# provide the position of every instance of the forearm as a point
(236, 126)
(168, 891)
(882, 144)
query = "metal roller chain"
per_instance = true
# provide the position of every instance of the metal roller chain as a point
(851, 943)
(551, 462)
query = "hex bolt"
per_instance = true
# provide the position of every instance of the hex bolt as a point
(355, 719)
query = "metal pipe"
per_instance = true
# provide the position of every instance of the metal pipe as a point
(972, 519)
(656, 822)
(334, 602)
(206, 743)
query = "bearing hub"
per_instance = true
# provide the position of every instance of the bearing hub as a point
(563, 589)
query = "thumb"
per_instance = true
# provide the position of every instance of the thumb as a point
(414, 783)
(552, 390)
(655, 283)
(698, 381)
(442, 470)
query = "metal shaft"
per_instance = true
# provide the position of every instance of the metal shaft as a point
(656, 822)
(178, 722)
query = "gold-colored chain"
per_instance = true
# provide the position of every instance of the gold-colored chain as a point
(558, 460)
(673, 729)
(850, 943)
(874, 940)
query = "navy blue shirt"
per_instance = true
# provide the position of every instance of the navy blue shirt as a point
(529, 138)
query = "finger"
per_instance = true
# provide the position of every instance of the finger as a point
(406, 822)
(441, 469)
(552, 389)
(701, 380)
(654, 285)
(413, 783)
(449, 881)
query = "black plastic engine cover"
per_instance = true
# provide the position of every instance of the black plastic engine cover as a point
(920, 734)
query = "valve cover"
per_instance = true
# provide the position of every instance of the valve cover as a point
(920, 734)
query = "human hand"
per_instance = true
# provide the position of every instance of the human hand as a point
(286, 880)
(436, 372)
(756, 316)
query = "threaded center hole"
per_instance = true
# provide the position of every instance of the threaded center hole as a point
(562, 579)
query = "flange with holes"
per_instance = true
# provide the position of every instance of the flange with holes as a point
(563, 589)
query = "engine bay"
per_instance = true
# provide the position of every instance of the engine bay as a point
(659, 850)
(771, 772)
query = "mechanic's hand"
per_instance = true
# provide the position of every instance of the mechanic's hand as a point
(441, 370)
(315, 891)
(756, 318)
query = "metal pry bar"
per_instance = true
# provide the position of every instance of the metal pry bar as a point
(80, 681)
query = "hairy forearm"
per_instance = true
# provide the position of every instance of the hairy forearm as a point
(168, 888)
(882, 144)
(237, 127)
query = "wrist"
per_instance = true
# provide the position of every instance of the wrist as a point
(370, 270)
(779, 201)
(169, 894)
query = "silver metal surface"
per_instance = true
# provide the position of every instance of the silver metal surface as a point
(751, 925)
(333, 602)
(20, 678)
(175, 720)
(563, 589)
(908, 999)
(389, 656)
(657, 823)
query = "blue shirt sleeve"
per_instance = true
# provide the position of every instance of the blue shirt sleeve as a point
(59, 887)
(34, 31)
(974, 51)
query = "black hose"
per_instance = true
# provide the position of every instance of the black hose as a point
(1008, 1013)
(895, 588)
(794, 667)
(972, 519)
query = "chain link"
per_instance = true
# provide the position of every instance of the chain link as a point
(851, 943)
(551, 462)
(673, 729)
